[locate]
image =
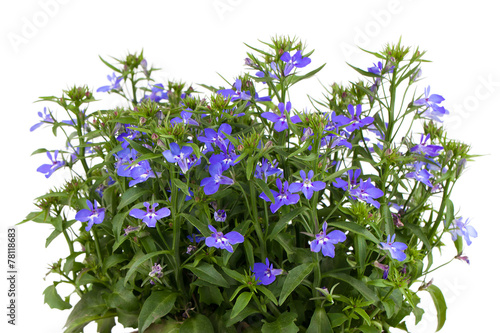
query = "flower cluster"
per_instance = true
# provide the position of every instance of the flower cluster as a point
(236, 203)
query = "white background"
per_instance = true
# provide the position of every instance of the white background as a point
(49, 45)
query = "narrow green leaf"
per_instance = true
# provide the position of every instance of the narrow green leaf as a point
(139, 261)
(202, 227)
(356, 228)
(294, 279)
(268, 293)
(358, 285)
(131, 195)
(208, 273)
(241, 303)
(439, 303)
(319, 322)
(284, 324)
(263, 186)
(283, 221)
(109, 65)
(418, 232)
(157, 305)
(182, 186)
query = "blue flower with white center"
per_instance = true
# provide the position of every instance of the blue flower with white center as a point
(150, 216)
(221, 241)
(93, 215)
(326, 242)
(395, 248)
(307, 186)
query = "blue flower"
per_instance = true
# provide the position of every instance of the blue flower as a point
(129, 134)
(283, 197)
(266, 168)
(46, 118)
(265, 274)
(186, 119)
(326, 242)
(426, 150)
(295, 61)
(150, 216)
(178, 155)
(395, 248)
(356, 121)
(221, 241)
(463, 229)
(366, 191)
(141, 173)
(48, 169)
(211, 184)
(93, 215)
(115, 83)
(280, 121)
(307, 186)
(218, 138)
(420, 174)
(220, 215)
(157, 93)
(432, 109)
(378, 69)
(235, 95)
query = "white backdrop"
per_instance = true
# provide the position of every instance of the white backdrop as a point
(49, 45)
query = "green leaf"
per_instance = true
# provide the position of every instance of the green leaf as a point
(197, 324)
(293, 279)
(241, 303)
(90, 307)
(284, 324)
(263, 186)
(208, 273)
(109, 65)
(202, 227)
(131, 195)
(52, 298)
(439, 303)
(337, 319)
(268, 294)
(139, 261)
(157, 305)
(368, 329)
(356, 228)
(319, 322)
(418, 232)
(283, 221)
(358, 285)
(210, 295)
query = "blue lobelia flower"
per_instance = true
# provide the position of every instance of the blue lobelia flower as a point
(218, 138)
(141, 173)
(211, 184)
(129, 134)
(235, 95)
(158, 93)
(185, 119)
(307, 186)
(221, 241)
(395, 248)
(463, 229)
(378, 69)
(432, 109)
(115, 83)
(150, 216)
(280, 121)
(266, 168)
(424, 149)
(48, 169)
(220, 215)
(356, 121)
(179, 155)
(326, 242)
(295, 61)
(283, 197)
(420, 174)
(265, 274)
(93, 215)
(46, 118)
(366, 191)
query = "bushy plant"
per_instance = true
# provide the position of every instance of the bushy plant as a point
(231, 211)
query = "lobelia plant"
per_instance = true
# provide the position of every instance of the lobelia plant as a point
(231, 211)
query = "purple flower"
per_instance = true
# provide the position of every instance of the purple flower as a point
(156, 273)
(150, 216)
(295, 61)
(235, 95)
(463, 229)
(426, 150)
(115, 83)
(367, 192)
(378, 69)
(211, 184)
(420, 174)
(356, 121)
(129, 134)
(93, 215)
(220, 215)
(185, 119)
(227, 158)
(280, 121)
(157, 93)
(307, 186)
(48, 169)
(352, 179)
(124, 162)
(141, 173)
(221, 241)
(265, 274)
(195, 238)
(283, 197)
(46, 118)
(325, 242)
(383, 267)
(395, 248)
(178, 155)
(433, 110)
(218, 138)
(266, 169)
